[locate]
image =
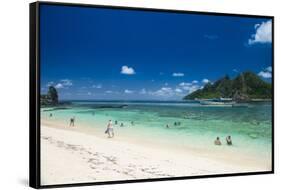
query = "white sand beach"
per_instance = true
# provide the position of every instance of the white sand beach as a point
(73, 155)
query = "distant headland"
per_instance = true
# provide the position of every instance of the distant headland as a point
(247, 86)
(51, 98)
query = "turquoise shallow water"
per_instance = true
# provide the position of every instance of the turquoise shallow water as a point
(250, 127)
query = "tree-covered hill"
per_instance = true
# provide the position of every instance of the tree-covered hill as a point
(244, 87)
(51, 98)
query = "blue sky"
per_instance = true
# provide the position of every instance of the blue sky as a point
(90, 53)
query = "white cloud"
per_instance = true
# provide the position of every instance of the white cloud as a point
(59, 85)
(266, 73)
(193, 88)
(166, 84)
(235, 70)
(178, 90)
(185, 84)
(127, 70)
(205, 81)
(66, 82)
(143, 91)
(108, 92)
(164, 92)
(195, 81)
(166, 88)
(189, 87)
(51, 83)
(262, 34)
(128, 91)
(269, 69)
(178, 74)
(97, 86)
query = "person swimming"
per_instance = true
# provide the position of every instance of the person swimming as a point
(116, 122)
(228, 140)
(177, 123)
(132, 123)
(51, 115)
(217, 141)
(121, 125)
(167, 126)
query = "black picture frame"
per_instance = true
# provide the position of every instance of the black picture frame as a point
(34, 94)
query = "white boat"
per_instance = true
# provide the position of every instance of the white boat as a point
(218, 102)
(225, 99)
(213, 103)
(241, 105)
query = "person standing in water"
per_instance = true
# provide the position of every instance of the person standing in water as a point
(228, 140)
(217, 141)
(72, 120)
(109, 130)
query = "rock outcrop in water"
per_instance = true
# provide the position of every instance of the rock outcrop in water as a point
(245, 87)
(51, 98)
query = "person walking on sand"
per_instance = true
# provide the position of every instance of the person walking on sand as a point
(217, 141)
(228, 140)
(72, 120)
(109, 129)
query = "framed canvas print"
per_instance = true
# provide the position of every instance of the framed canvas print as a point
(120, 94)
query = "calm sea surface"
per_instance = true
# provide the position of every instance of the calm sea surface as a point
(250, 127)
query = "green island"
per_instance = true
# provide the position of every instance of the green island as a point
(247, 86)
(51, 98)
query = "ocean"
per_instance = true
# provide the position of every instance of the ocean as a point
(181, 124)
